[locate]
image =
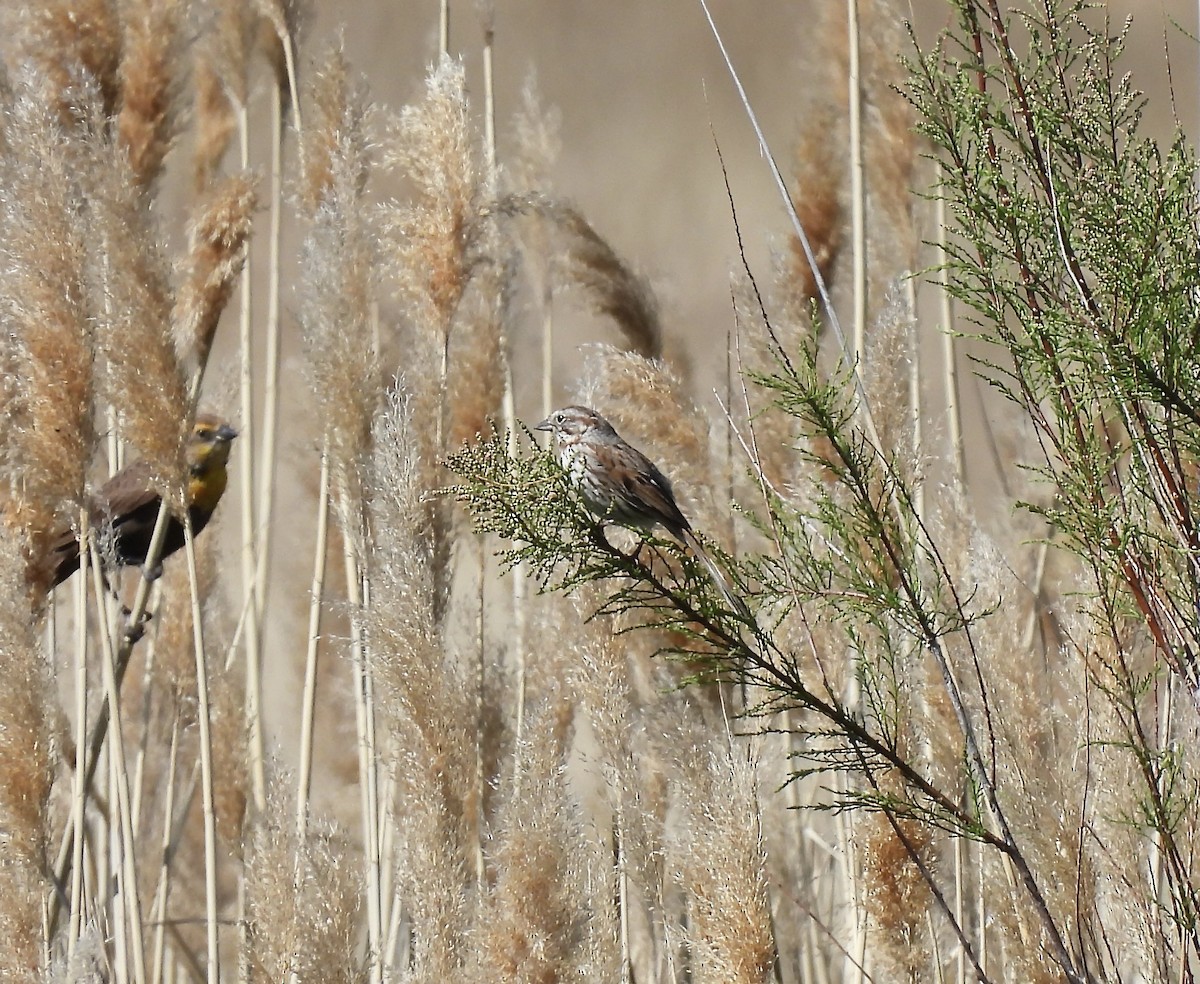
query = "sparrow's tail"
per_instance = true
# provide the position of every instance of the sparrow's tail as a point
(719, 579)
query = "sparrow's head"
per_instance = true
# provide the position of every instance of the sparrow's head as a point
(571, 423)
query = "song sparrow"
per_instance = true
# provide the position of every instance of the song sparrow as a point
(621, 484)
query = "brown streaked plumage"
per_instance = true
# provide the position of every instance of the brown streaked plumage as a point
(621, 484)
(124, 510)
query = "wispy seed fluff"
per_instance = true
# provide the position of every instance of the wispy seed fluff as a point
(430, 144)
(338, 264)
(44, 304)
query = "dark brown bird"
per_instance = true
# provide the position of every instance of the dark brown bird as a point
(124, 510)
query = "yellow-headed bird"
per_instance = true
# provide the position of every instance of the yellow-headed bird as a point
(125, 508)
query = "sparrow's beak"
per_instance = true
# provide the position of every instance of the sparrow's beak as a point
(545, 425)
(226, 433)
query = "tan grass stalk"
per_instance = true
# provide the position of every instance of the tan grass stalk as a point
(207, 779)
(312, 650)
(267, 463)
(425, 698)
(163, 890)
(437, 241)
(47, 306)
(147, 119)
(588, 262)
(897, 897)
(818, 202)
(721, 864)
(28, 758)
(339, 263)
(61, 37)
(143, 377)
(858, 193)
(284, 17)
(431, 144)
(219, 237)
(300, 905)
(126, 875)
(536, 132)
(219, 81)
(949, 352)
(533, 923)
(337, 303)
(79, 792)
(368, 750)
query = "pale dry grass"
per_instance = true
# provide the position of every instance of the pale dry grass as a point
(502, 787)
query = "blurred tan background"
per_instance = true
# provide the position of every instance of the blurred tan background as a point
(638, 85)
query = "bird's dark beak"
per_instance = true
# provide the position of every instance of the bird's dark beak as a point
(545, 425)
(226, 433)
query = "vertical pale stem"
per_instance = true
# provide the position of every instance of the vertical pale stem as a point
(308, 710)
(914, 399)
(444, 28)
(364, 705)
(858, 209)
(480, 683)
(120, 775)
(949, 354)
(246, 469)
(208, 798)
(80, 791)
(623, 898)
(164, 873)
(271, 393)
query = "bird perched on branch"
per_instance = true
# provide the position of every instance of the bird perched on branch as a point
(620, 484)
(123, 511)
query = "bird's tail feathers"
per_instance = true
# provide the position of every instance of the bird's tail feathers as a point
(718, 577)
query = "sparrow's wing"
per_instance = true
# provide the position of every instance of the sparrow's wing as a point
(647, 490)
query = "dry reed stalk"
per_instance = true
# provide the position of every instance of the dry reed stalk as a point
(142, 376)
(431, 145)
(308, 703)
(425, 700)
(896, 897)
(627, 701)
(477, 381)
(718, 855)
(818, 201)
(337, 305)
(147, 119)
(283, 18)
(438, 241)
(219, 83)
(207, 775)
(219, 237)
(588, 262)
(340, 278)
(858, 191)
(533, 923)
(124, 851)
(219, 245)
(891, 146)
(300, 904)
(71, 41)
(536, 132)
(28, 760)
(337, 111)
(47, 304)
